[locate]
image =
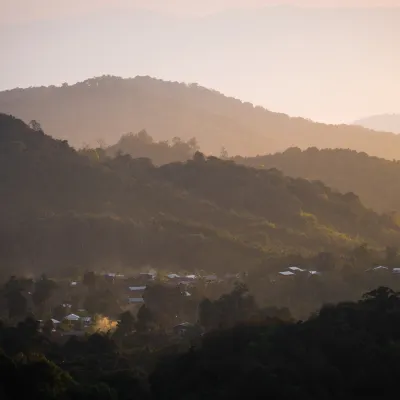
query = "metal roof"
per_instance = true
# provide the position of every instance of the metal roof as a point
(136, 300)
(173, 276)
(297, 269)
(72, 317)
(136, 288)
(379, 267)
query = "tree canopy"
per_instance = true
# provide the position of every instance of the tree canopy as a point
(373, 179)
(64, 208)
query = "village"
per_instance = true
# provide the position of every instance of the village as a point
(95, 302)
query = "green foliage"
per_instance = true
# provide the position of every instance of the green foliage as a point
(348, 350)
(374, 180)
(63, 210)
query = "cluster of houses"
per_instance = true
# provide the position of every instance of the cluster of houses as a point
(132, 289)
(382, 268)
(185, 281)
(293, 271)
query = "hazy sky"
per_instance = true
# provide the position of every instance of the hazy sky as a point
(336, 63)
(18, 10)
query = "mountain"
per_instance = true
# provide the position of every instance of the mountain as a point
(384, 123)
(62, 209)
(374, 179)
(297, 60)
(106, 107)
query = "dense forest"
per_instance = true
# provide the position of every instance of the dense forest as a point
(62, 208)
(104, 108)
(373, 179)
(344, 351)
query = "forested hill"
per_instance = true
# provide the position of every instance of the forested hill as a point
(107, 107)
(62, 209)
(374, 180)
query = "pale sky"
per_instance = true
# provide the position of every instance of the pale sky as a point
(333, 65)
(24, 10)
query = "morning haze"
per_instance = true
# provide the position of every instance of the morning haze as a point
(185, 213)
(328, 64)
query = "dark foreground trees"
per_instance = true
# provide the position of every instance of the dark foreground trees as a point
(345, 351)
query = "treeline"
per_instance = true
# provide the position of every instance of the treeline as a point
(106, 106)
(61, 207)
(349, 350)
(373, 179)
(142, 145)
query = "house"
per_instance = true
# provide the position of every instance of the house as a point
(380, 268)
(396, 270)
(137, 288)
(72, 317)
(297, 269)
(173, 276)
(136, 292)
(135, 300)
(74, 322)
(287, 273)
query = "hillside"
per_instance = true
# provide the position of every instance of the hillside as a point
(384, 123)
(142, 144)
(375, 180)
(107, 107)
(65, 209)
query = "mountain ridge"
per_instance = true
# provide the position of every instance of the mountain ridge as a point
(382, 122)
(67, 208)
(374, 180)
(107, 107)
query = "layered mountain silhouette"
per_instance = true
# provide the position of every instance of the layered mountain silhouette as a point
(374, 179)
(107, 107)
(63, 208)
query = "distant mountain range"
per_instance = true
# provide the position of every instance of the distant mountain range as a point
(106, 107)
(383, 122)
